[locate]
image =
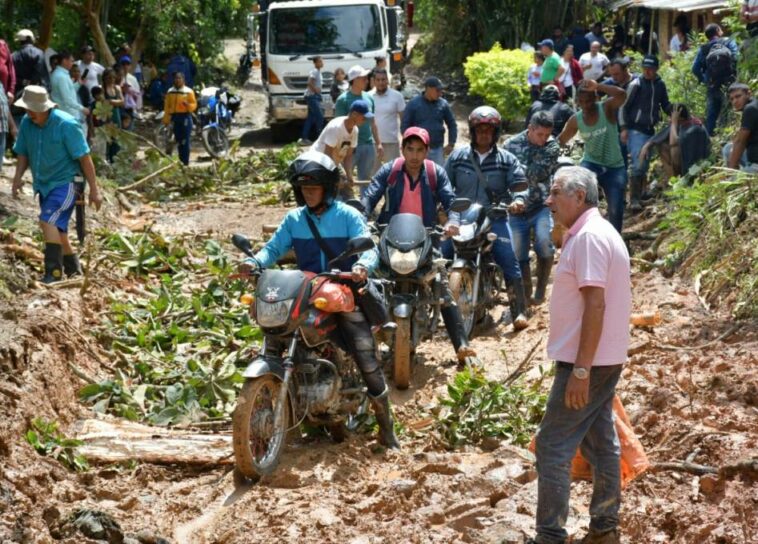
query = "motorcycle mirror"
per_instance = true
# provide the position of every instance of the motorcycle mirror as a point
(242, 243)
(460, 205)
(355, 203)
(354, 246)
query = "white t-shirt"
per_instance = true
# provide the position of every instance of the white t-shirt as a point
(387, 107)
(567, 79)
(336, 136)
(94, 71)
(315, 75)
(598, 64)
(533, 75)
(675, 45)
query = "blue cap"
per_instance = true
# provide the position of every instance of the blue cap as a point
(547, 42)
(126, 59)
(362, 107)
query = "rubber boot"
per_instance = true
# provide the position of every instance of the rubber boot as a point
(517, 304)
(544, 264)
(609, 537)
(381, 406)
(71, 266)
(526, 278)
(454, 326)
(635, 191)
(53, 263)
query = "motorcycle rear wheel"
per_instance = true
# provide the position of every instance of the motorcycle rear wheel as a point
(402, 353)
(258, 445)
(462, 288)
(215, 141)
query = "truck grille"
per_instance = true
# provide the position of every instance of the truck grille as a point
(300, 83)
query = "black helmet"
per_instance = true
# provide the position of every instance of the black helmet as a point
(484, 115)
(314, 168)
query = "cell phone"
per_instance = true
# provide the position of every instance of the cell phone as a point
(85, 73)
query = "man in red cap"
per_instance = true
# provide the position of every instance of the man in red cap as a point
(414, 184)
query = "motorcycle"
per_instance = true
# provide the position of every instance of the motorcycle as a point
(416, 273)
(216, 109)
(249, 58)
(475, 278)
(314, 380)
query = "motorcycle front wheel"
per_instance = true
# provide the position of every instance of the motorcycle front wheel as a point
(403, 354)
(258, 442)
(216, 141)
(163, 138)
(462, 288)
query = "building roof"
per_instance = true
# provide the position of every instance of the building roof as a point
(668, 5)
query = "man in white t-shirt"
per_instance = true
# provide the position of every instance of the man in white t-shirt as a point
(338, 140)
(91, 70)
(389, 105)
(594, 63)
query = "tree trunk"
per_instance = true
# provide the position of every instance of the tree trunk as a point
(91, 9)
(140, 39)
(46, 24)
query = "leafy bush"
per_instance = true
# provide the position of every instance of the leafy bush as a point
(499, 76)
(681, 83)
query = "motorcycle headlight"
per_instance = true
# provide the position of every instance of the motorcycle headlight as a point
(204, 111)
(273, 314)
(465, 233)
(404, 262)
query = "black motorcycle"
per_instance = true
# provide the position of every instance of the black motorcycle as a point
(475, 277)
(416, 272)
(303, 371)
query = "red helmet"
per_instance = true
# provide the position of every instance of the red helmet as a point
(487, 115)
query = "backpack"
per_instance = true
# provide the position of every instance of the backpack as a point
(719, 63)
(429, 166)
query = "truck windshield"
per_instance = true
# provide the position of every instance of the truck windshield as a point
(334, 29)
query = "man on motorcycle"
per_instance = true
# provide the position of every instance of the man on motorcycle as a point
(319, 226)
(489, 175)
(413, 192)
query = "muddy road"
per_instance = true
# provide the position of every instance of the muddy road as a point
(690, 389)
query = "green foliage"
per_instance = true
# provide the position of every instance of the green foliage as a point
(476, 408)
(499, 76)
(681, 84)
(178, 344)
(46, 440)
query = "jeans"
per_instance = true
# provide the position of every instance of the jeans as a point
(613, 182)
(363, 158)
(714, 106)
(183, 133)
(437, 154)
(315, 119)
(636, 140)
(726, 153)
(502, 250)
(522, 225)
(561, 432)
(3, 140)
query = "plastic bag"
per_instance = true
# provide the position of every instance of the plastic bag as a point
(329, 296)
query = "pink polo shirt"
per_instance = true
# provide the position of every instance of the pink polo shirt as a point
(593, 255)
(411, 200)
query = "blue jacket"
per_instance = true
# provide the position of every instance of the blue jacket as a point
(338, 224)
(698, 67)
(504, 177)
(379, 188)
(432, 116)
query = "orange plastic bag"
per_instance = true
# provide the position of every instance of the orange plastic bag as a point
(634, 460)
(332, 297)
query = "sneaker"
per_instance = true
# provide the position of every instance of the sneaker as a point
(608, 537)
(304, 142)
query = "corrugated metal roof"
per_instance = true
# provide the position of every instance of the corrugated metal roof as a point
(671, 5)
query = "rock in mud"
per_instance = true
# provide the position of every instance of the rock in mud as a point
(323, 517)
(98, 525)
(404, 487)
(434, 514)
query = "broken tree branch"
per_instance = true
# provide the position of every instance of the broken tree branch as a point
(149, 177)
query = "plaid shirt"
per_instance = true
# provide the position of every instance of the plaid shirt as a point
(4, 111)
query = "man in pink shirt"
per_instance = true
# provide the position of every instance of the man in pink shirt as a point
(589, 335)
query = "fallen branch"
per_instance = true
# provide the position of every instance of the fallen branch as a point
(81, 374)
(24, 252)
(729, 332)
(149, 177)
(691, 468)
(522, 365)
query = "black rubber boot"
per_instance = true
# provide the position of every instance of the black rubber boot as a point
(517, 304)
(71, 266)
(454, 326)
(543, 275)
(53, 263)
(635, 192)
(526, 279)
(381, 406)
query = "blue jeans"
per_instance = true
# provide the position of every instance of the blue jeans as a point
(613, 182)
(315, 117)
(714, 105)
(502, 250)
(364, 157)
(183, 133)
(561, 432)
(437, 154)
(726, 152)
(635, 142)
(522, 225)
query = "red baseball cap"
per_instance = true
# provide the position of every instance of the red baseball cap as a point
(417, 132)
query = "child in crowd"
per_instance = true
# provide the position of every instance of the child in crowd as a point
(533, 76)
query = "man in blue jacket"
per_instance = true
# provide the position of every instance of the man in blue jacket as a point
(647, 96)
(314, 178)
(432, 113)
(715, 66)
(415, 189)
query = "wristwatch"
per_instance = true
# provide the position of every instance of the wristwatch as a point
(580, 373)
